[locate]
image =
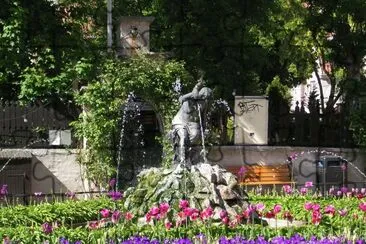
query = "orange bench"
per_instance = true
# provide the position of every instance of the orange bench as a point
(262, 174)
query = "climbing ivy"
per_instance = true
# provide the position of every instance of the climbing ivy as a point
(149, 78)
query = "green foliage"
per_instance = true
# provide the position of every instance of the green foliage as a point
(278, 93)
(149, 78)
(70, 212)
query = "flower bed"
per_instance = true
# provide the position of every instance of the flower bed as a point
(332, 219)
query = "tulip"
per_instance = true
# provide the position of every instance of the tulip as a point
(316, 207)
(183, 204)
(362, 206)
(287, 189)
(316, 217)
(330, 209)
(308, 184)
(154, 211)
(277, 208)
(115, 195)
(47, 228)
(112, 182)
(206, 213)
(223, 214)
(287, 215)
(242, 171)
(164, 208)
(168, 225)
(303, 190)
(104, 213)
(260, 207)
(342, 212)
(116, 216)
(128, 216)
(308, 206)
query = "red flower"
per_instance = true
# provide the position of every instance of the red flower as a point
(168, 225)
(128, 216)
(270, 214)
(316, 217)
(360, 196)
(287, 215)
(225, 220)
(206, 213)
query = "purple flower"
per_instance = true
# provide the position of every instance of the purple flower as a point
(63, 240)
(116, 216)
(344, 190)
(342, 212)
(308, 184)
(115, 195)
(70, 195)
(4, 190)
(47, 228)
(287, 189)
(112, 183)
(242, 171)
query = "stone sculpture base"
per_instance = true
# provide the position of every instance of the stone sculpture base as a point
(202, 184)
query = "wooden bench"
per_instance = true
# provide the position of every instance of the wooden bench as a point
(263, 174)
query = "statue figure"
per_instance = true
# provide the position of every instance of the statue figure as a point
(188, 122)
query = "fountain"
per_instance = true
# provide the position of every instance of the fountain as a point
(200, 182)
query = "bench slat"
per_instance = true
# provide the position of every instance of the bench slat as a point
(262, 175)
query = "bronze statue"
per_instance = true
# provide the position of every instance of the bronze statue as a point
(188, 122)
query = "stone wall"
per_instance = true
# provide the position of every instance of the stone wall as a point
(49, 170)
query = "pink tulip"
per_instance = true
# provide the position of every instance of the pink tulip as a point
(206, 213)
(330, 209)
(287, 189)
(154, 211)
(148, 217)
(260, 207)
(308, 206)
(183, 204)
(308, 184)
(164, 208)
(342, 212)
(277, 208)
(223, 214)
(168, 225)
(303, 190)
(225, 220)
(105, 213)
(316, 207)
(362, 206)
